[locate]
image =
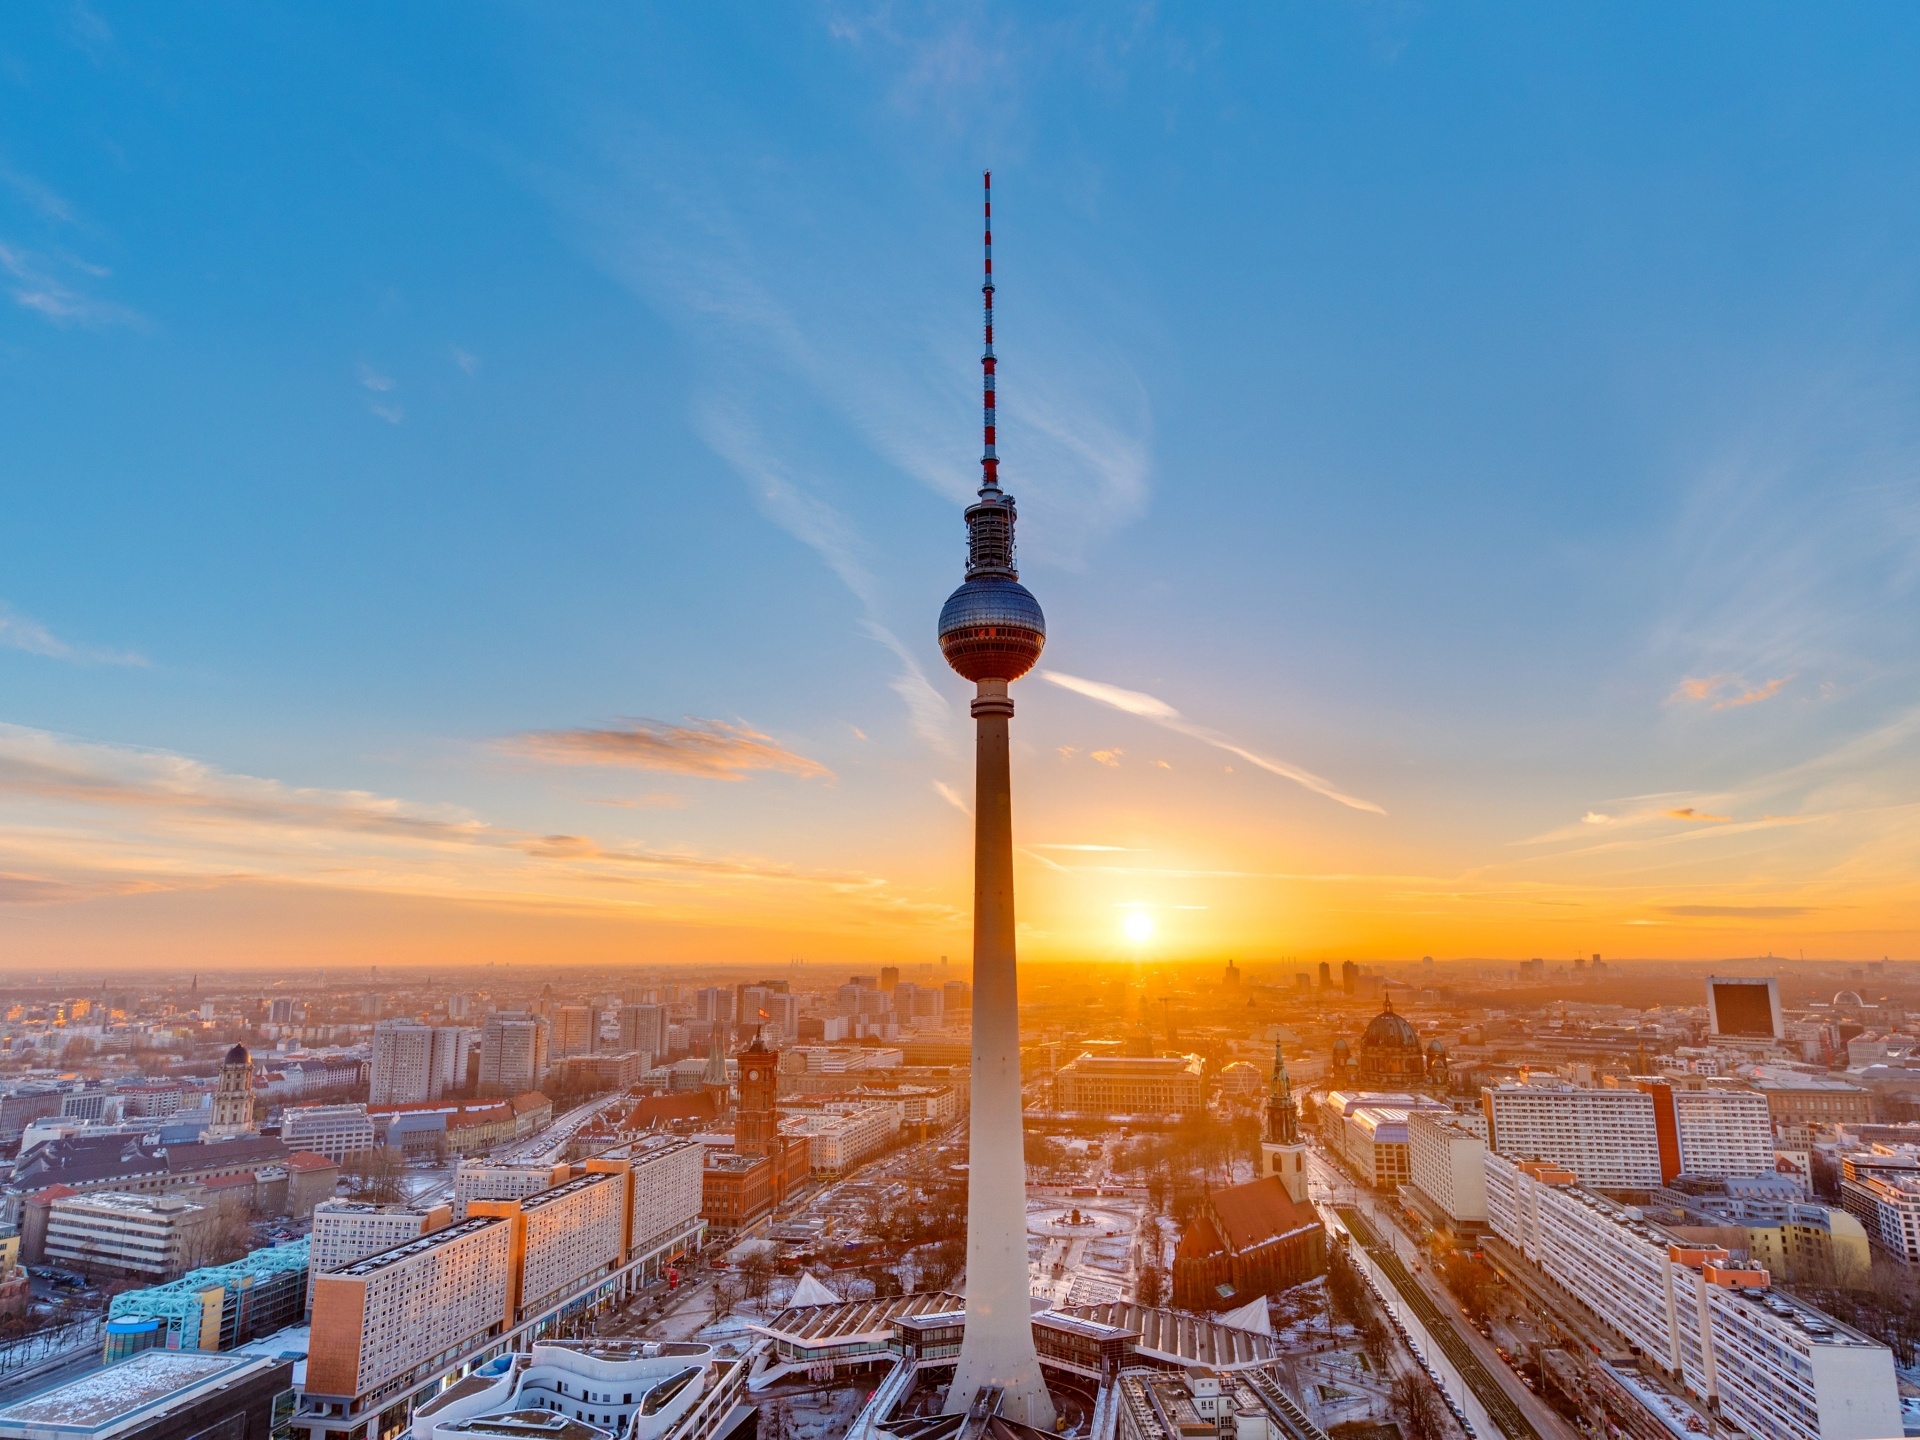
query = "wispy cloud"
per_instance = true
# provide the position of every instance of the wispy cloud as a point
(1725, 691)
(711, 749)
(1737, 912)
(17, 632)
(1152, 708)
(380, 387)
(50, 287)
(468, 362)
(952, 796)
(1698, 817)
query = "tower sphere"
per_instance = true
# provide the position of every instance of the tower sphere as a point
(992, 629)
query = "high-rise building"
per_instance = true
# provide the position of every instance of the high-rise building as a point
(1349, 976)
(348, 1230)
(1447, 1158)
(573, 1027)
(452, 1049)
(280, 1012)
(643, 1028)
(458, 1007)
(402, 1063)
(889, 977)
(1606, 1137)
(956, 998)
(513, 1053)
(1710, 1134)
(1326, 975)
(992, 632)
(713, 1005)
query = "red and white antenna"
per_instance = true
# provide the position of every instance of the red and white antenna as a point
(989, 461)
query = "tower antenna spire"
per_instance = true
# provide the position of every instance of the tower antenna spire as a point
(989, 461)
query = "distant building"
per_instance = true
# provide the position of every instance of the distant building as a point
(1882, 1190)
(513, 1053)
(1794, 1098)
(1368, 1130)
(233, 1095)
(335, 1131)
(1114, 1085)
(573, 1031)
(1447, 1154)
(402, 1063)
(643, 1028)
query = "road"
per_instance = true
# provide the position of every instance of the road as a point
(1513, 1407)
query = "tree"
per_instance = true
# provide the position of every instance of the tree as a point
(1150, 1286)
(756, 1277)
(1418, 1408)
(376, 1175)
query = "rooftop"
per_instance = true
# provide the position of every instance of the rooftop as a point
(407, 1250)
(116, 1395)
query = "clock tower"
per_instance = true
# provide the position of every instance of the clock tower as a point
(756, 1122)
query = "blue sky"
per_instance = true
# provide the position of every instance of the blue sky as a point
(1502, 415)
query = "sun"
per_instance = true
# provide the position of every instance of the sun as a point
(1138, 926)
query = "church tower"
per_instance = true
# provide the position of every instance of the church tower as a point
(1281, 1153)
(233, 1098)
(714, 1081)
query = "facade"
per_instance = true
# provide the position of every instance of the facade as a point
(335, 1131)
(767, 1163)
(565, 1236)
(513, 1053)
(1447, 1155)
(143, 1237)
(160, 1395)
(573, 1031)
(216, 1308)
(1113, 1085)
(666, 1189)
(1606, 1137)
(636, 1390)
(348, 1230)
(478, 1180)
(1247, 1241)
(1710, 1133)
(1774, 1366)
(1794, 1099)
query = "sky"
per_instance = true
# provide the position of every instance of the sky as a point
(479, 480)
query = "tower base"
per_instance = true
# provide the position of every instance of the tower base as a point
(1289, 1164)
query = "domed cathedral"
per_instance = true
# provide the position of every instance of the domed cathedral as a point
(1391, 1056)
(233, 1097)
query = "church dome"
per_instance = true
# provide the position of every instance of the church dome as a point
(1388, 1031)
(237, 1056)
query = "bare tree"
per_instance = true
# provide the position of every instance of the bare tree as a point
(1418, 1408)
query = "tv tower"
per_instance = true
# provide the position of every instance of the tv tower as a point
(991, 631)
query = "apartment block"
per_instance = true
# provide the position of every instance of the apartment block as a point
(1882, 1191)
(666, 1189)
(1606, 1137)
(348, 1230)
(146, 1237)
(573, 1031)
(566, 1236)
(643, 1028)
(477, 1180)
(513, 1053)
(1710, 1132)
(335, 1131)
(389, 1321)
(1773, 1366)
(1447, 1158)
(1368, 1130)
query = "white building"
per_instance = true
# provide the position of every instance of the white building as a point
(335, 1131)
(402, 1063)
(1447, 1154)
(667, 1179)
(348, 1230)
(152, 1237)
(842, 1134)
(478, 1180)
(1723, 1134)
(1776, 1367)
(640, 1391)
(1881, 1189)
(1606, 1137)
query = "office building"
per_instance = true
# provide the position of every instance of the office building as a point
(452, 1052)
(841, 1134)
(1744, 1010)
(160, 1395)
(215, 1308)
(1774, 1366)
(1607, 1137)
(141, 1237)
(513, 1053)
(335, 1131)
(1446, 1156)
(1368, 1130)
(713, 1005)
(348, 1230)
(1116, 1085)
(402, 1063)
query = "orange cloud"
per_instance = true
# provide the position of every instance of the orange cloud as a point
(1687, 812)
(710, 749)
(1725, 691)
(1109, 758)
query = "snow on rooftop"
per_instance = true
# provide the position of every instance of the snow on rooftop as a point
(113, 1392)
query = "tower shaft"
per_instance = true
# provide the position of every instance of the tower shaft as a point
(998, 1346)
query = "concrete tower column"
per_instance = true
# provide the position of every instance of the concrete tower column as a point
(998, 1348)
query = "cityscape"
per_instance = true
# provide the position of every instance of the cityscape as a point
(404, 1035)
